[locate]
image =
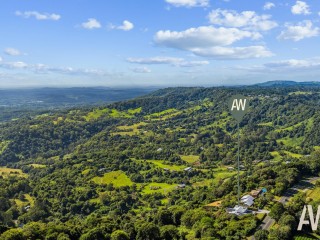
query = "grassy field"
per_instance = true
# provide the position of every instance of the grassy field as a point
(117, 178)
(5, 172)
(314, 194)
(97, 113)
(35, 165)
(158, 188)
(276, 156)
(220, 175)
(190, 158)
(295, 155)
(267, 124)
(166, 114)
(27, 201)
(161, 164)
(129, 130)
(291, 142)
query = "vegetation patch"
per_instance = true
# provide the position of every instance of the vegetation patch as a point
(190, 158)
(3, 146)
(172, 167)
(117, 178)
(158, 188)
(6, 172)
(35, 165)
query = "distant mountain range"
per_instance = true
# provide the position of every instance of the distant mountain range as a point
(67, 97)
(286, 83)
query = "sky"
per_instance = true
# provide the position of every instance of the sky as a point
(135, 43)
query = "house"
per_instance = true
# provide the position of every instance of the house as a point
(237, 210)
(159, 149)
(230, 168)
(247, 200)
(188, 169)
(181, 185)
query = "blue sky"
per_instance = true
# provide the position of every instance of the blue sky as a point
(157, 43)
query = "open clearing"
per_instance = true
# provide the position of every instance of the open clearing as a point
(117, 178)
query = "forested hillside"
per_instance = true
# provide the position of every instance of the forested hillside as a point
(146, 168)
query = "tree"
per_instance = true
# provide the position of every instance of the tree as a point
(148, 231)
(276, 211)
(169, 232)
(119, 235)
(13, 234)
(261, 235)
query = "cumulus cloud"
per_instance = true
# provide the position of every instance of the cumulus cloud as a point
(300, 8)
(126, 26)
(206, 36)
(141, 70)
(212, 42)
(189, 3)
(92, 23)
(178, 62)
(12, 52)
(246, 19)
(38, 16)
(268, 6)
(298, 32)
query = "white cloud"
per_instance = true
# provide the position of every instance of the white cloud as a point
(39, 16)
(178, 62)
(12, 52)
(298, 32)
(141, 70)
(13, 65)
(268, 5)
(246, 19)
(300, 8)
(126, 26)
(205, 36)
(42, 68)
(233, 52)
(212, 42)
(288, 65)
(92, 23)
(189, 3)
(155, 60)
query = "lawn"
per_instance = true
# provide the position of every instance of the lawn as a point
(5, 172)
(117, 178)
(190, 158)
